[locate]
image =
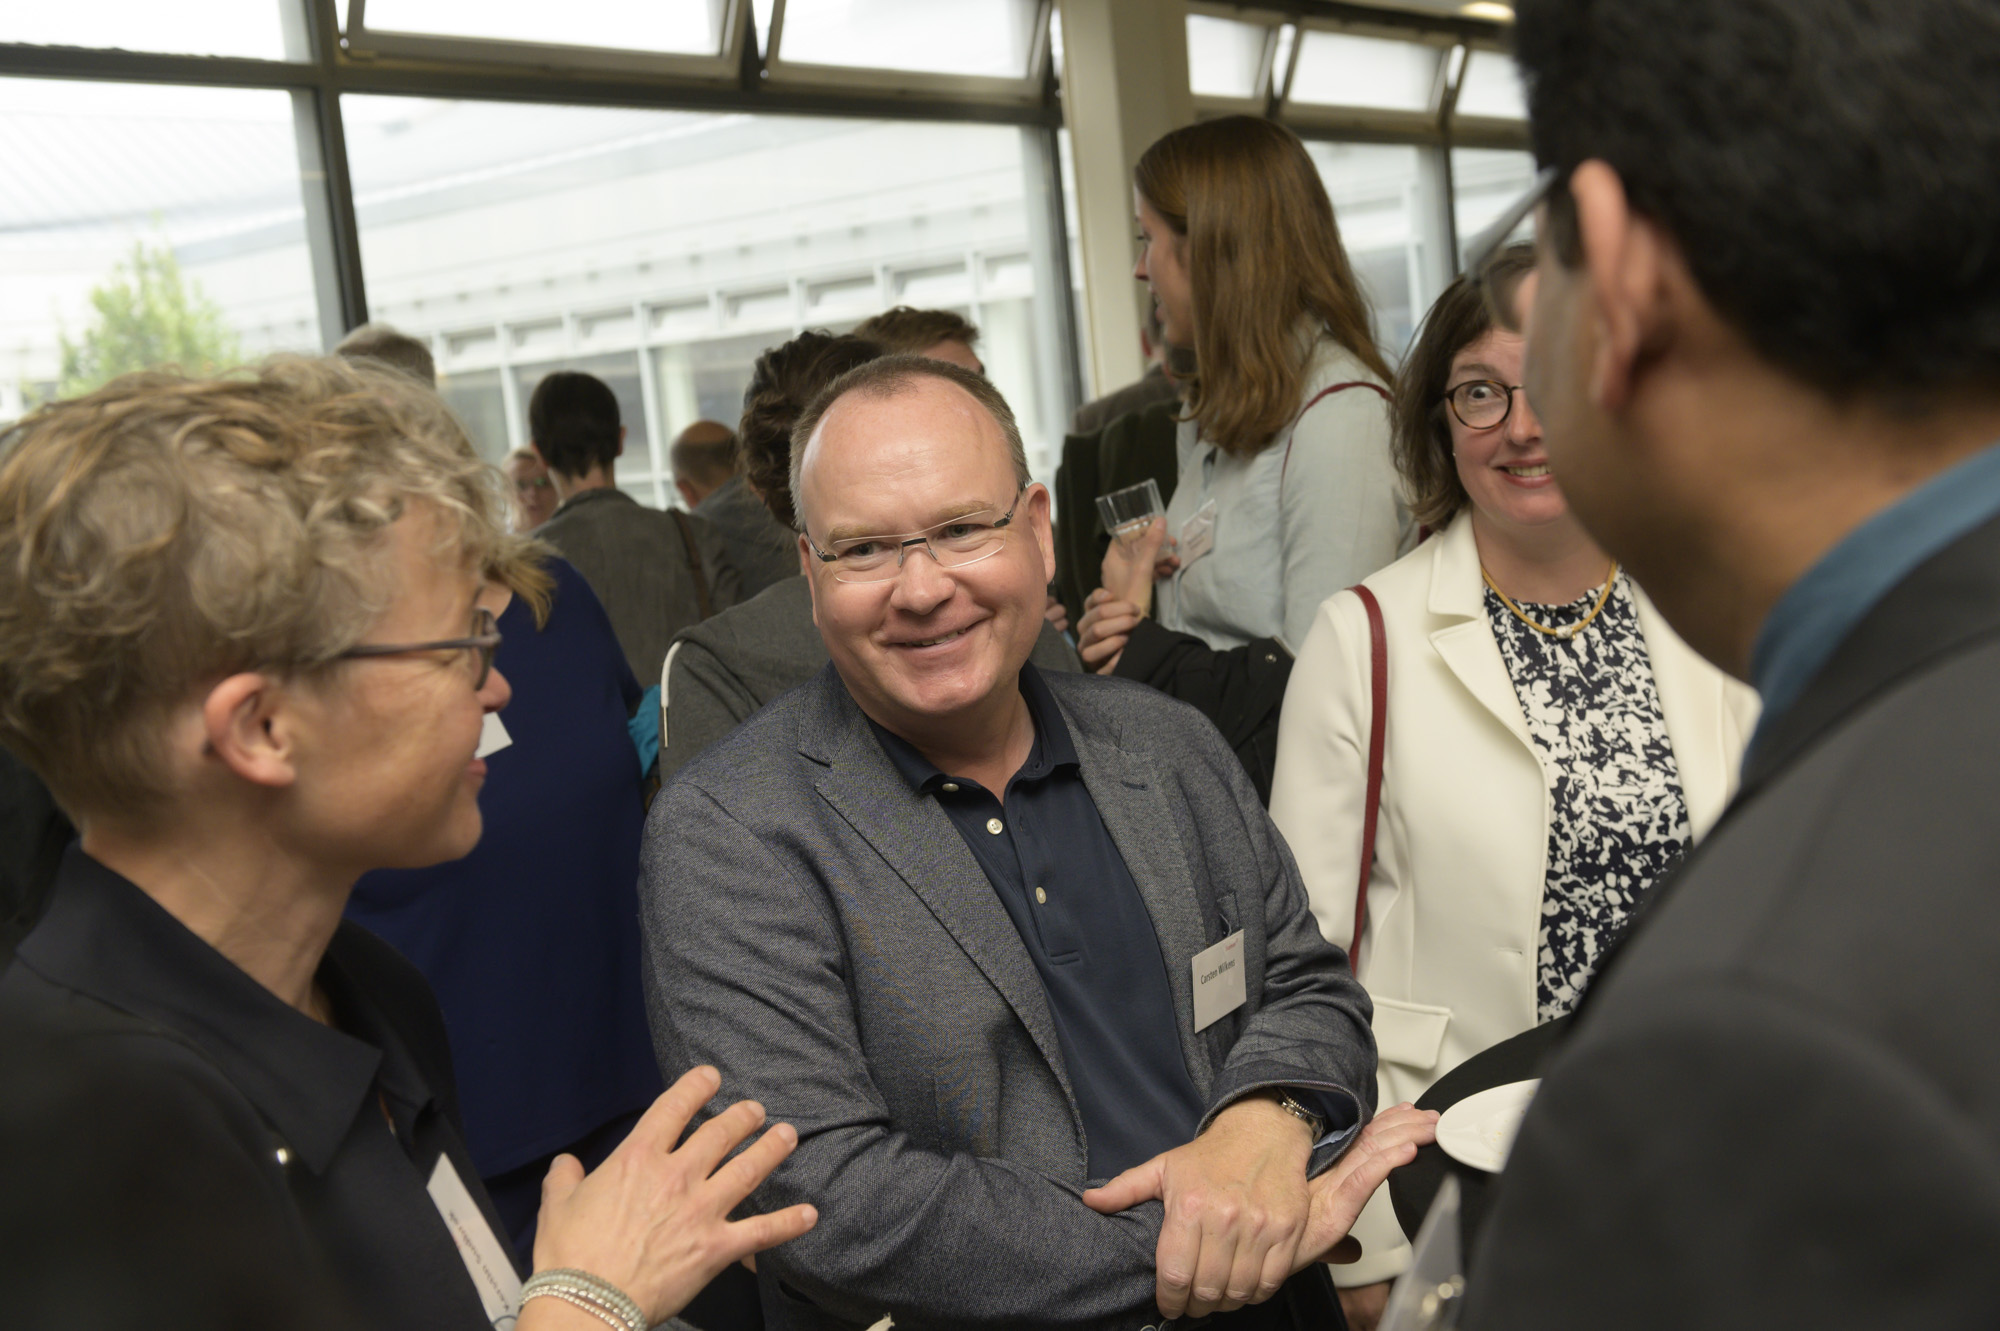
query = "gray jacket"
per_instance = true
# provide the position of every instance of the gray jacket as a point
(635, 559)
(723, 669)
(764, 550)
(820, 933)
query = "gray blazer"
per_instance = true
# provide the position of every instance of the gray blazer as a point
(1778, 1105)
(636, 560)
(723, 669)
(764, 550)
(820, 933)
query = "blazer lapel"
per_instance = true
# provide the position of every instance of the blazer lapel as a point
(920, 844)
(1134, 806)
(1465, 643)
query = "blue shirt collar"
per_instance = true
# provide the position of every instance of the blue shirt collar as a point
(1052, 749)
(1818, 611)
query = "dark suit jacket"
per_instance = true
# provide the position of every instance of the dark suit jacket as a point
(636, 560)
(1127, 450)
(1781, 1102)
(819, 931)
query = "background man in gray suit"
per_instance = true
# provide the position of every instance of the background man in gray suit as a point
(655, 572)
(986, 935)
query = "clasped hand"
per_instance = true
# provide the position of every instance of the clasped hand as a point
(1124, 596)
(1241, 1216)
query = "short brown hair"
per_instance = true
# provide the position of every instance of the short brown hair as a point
(905, 330)
(1421, 438)
(1264, 257)
(163, 532)
(391, 346)
(785, 381)
(890, 375)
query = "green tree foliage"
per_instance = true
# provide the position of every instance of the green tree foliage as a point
(147, 315)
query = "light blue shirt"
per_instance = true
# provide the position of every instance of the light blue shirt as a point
(1817, 613)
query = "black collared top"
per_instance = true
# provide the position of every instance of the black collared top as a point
(334, 1133)
(1062, 880)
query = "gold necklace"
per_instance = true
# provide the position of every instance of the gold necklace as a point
(1610, 581)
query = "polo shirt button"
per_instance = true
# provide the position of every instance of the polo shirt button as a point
(994, 826)
(1041, 897)
(284, 1156)
(949, 787)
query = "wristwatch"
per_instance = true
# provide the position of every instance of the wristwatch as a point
(1288, 1103)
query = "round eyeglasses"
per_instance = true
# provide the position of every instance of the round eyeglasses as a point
(483, 642)
(1481, 404)
(952, 544)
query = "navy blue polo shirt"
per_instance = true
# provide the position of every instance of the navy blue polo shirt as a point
(1057, 871)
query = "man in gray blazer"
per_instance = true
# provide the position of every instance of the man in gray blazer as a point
(1765, 347)
(986, 935)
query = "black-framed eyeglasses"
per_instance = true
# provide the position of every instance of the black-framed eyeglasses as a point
(1486, 246)
(1481, 404)
(952, 544)
(484, 641)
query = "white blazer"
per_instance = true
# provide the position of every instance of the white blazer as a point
(1461, 846)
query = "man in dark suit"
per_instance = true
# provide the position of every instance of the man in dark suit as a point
(988, 935)
(1765, 341)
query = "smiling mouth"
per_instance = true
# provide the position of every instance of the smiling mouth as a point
(932, 642)
(1539, 469)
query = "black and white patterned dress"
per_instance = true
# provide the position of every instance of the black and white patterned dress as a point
(1618, 820)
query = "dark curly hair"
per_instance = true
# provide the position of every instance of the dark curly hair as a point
(785, 380)
(1827, 167)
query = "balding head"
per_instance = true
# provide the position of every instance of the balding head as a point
(703, 458)
(893, 375)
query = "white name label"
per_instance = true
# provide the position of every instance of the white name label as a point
(485, 1260)
(493, 736)
(1218, 981)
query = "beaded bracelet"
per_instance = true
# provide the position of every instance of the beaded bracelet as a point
(593, 1294)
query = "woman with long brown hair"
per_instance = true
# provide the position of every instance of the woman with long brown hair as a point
(1286, 492)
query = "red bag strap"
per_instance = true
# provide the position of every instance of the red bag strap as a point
(1378, 708)
(1310, 404)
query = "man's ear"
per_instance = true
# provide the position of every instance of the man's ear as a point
(1039, 523)
(807, 559)
(621, 443)
(1624, 255)
(248, 729)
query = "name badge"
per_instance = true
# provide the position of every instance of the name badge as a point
(493, 736)
(1197, 536)
(492, 1271)
(1218, 981)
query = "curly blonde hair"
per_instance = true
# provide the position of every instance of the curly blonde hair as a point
(164, 532)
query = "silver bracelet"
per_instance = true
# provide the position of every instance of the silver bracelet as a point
(593, 1294)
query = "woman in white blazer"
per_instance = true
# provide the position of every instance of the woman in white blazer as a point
(1551, 747)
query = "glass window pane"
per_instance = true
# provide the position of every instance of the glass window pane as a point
(144, 225)
(1225, 57)
(687, 27)
(664, 251)
(252, 28)
(1336, 69)
(1374, 191)
(1492, 87)
(987, 38)
(1483, 182)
